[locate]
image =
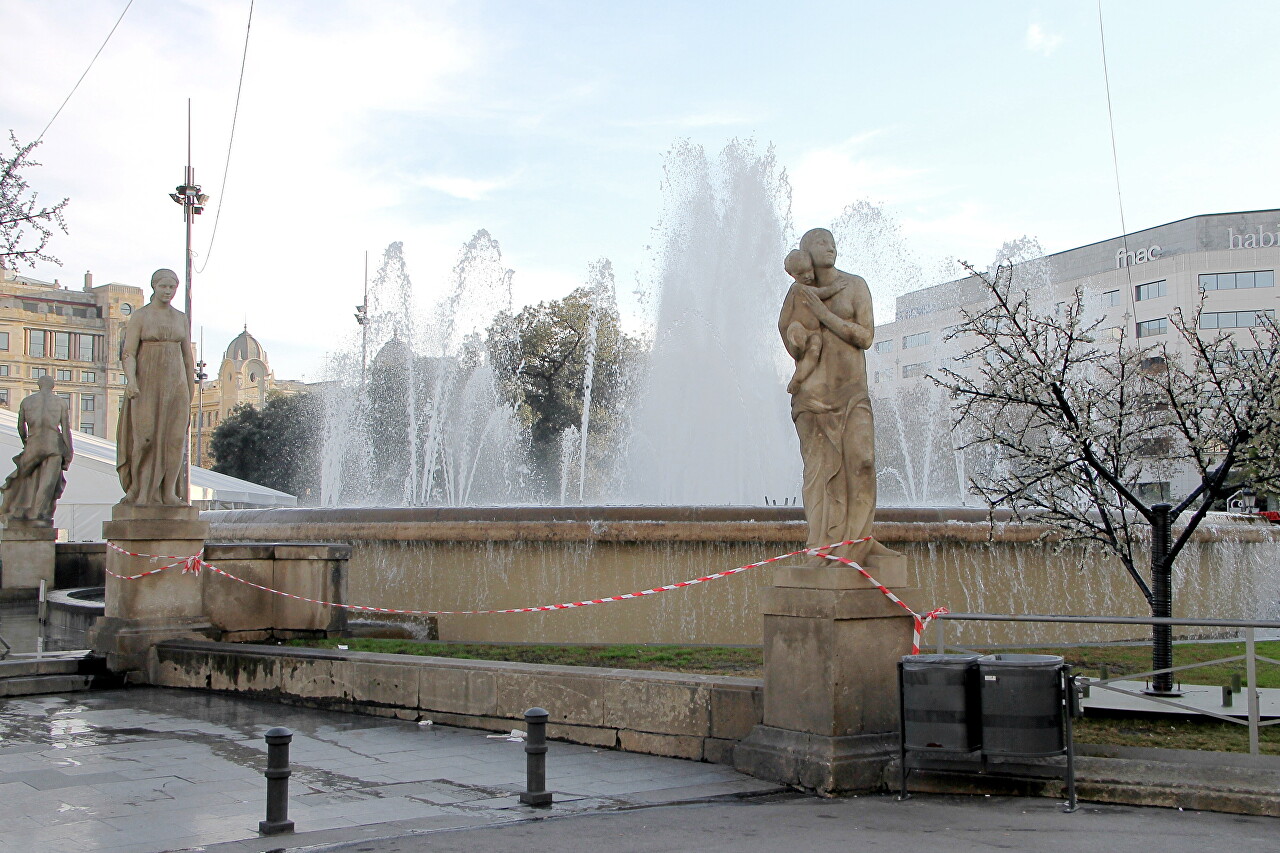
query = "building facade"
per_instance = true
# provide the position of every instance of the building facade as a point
(244, 377)
(72, 335)
(1131, 283)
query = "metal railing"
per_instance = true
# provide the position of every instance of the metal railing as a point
(1250, 657)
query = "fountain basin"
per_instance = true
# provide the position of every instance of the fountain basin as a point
(487, 558)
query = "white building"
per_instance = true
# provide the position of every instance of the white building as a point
(1133, 282)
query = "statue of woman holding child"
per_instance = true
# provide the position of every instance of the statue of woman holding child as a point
(159, 372)
(826, 325)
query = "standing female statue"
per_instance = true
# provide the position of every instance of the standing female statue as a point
(160, 374)
(830, 401)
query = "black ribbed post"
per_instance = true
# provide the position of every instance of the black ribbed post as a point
(277, 773)
(535, 748)
(1162, 594)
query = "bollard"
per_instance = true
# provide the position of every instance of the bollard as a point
(1103, 672)
(1235, 682)
(277, 774)
(1226, 697)
(535, 747)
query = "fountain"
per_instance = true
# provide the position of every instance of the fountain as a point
(428, 470)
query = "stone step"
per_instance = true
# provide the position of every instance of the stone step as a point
(40, 684)
(21, 667)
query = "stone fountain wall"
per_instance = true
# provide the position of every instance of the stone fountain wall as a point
(495, 558)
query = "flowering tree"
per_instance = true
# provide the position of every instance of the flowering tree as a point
(25, 224)
(1080, 415)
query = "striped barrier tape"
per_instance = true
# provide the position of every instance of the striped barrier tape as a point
(194, 563)
(918, 622)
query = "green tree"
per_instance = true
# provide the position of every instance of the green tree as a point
(540, 357)
(275, 446)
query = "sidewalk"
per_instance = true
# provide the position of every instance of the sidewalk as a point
(150, 769)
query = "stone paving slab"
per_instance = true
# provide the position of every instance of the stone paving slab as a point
(152, 769)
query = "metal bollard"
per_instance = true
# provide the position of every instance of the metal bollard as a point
(535, 747)
(1103, 672)
(277, 774)
(1226, 697)
(1235, 682)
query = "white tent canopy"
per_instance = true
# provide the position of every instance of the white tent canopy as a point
(93, 486)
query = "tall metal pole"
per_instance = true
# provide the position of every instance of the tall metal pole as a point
(364, 327)
(188, 181)
(1162, 598)
(201, 376)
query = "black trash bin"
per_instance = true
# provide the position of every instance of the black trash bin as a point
(1022, 705)
(940, 711)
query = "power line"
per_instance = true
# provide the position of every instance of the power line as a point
(227, 165)
(86, 71)
(1115, 158)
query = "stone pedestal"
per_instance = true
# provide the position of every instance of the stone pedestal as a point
(831, 647)
(140, 613)
(26, 558)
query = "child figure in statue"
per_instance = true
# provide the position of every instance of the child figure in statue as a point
(804, 333)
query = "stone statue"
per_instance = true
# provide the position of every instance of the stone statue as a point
(826, 325)
(44, 425)
(159, 374)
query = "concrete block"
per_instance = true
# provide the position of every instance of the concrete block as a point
(674, 746)
(735, 711)
(667, 707)
(718, 751)
(383, 684)
(590, 735)
(570, 698)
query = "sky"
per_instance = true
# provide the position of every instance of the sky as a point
(546, 123)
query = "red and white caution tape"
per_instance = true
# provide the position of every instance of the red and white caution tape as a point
(918, 622)
(194, 563)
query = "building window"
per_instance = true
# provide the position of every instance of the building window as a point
(33, 307)
(1237, 280)
(64, 375)
(1233, 319)
(1110, 299)
(37, 372)
(35, 343)
(1154, 290)
(919, 339)
(126, 309)
(884, 375)
(65, 396)
(1154, 492)
(884, 346)
(122, 379)
(1147, 328)
(87, 402)
(62, 345)
(4, 397)
(88, 376)
(88, 346)
(4, 370)
(910, 371)
(4, 341)
(86, 428)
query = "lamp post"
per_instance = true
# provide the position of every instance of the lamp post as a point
(201, 376)
(193, 201)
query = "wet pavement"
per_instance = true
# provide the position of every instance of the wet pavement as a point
(151, 769)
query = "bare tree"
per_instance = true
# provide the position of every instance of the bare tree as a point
(1081, 416)
(25, 224)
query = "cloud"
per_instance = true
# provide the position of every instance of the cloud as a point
(825, 180)
(1041, 41)
(468, 189)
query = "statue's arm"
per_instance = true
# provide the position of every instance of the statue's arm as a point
(129, 357)
(188, 358)
(859, 330)
(784, 320)
(66, 434)
(22, 422)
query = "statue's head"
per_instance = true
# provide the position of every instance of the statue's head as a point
(45, 383)
(820, 246)
(799, 266)
(164, 284)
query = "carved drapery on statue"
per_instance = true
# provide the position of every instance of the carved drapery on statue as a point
(44, 425)
(827, 325)
(159, 373)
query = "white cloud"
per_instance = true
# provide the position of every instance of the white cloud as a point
(468, 189)
(1041, 41)
(826, 180)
